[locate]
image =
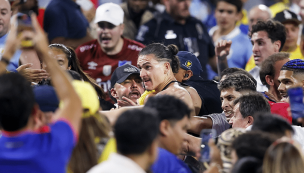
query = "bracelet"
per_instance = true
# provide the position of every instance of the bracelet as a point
(5, 60)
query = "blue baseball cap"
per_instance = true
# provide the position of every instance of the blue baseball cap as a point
(188, 61)
(46, 98)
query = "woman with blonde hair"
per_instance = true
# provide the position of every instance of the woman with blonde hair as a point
(94, 134)
(283, 156)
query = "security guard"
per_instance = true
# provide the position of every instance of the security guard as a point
(176, 26)
(189, 74)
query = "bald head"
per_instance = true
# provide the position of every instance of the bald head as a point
(5, 15)
(258, 13)
(5, 4)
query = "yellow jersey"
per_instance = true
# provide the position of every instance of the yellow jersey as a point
(296, 54)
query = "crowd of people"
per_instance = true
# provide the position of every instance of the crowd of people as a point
(102, 87)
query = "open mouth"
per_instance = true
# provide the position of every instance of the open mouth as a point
(105, 40)
(134, 94)
(256, 58)
(228, 113)
(146, 81)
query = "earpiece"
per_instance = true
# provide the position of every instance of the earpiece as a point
(186, 75)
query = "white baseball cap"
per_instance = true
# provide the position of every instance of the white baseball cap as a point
(109, 12)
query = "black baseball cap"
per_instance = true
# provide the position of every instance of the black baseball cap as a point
(287, 16)
(122, 73)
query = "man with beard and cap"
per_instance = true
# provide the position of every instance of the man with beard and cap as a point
(100, 57)
(126, 85)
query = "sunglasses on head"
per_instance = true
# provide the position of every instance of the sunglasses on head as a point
(106, 25)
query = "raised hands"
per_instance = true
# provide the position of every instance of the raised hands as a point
(222, 48)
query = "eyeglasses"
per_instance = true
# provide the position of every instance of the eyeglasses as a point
(106, 25)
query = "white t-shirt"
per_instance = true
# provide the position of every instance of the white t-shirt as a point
(299, 135)
(117, 163)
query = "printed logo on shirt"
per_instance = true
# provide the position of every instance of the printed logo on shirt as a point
(191, 45)
(106, 70)
(86, 47)
(121, 63)
(134, 47)
(170, 35)
(105, 85)
(92, 65)
(141, 33)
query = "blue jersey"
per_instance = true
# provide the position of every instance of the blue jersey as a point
(169, 163)
(32, 152)
(14, 62)
(240, 51)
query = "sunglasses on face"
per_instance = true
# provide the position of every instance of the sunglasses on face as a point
(106, 25)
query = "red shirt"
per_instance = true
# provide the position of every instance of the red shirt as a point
(100, 66)
(280, 108)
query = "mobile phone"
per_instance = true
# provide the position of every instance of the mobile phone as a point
(24, 22)
(206, 135)
(296, 102)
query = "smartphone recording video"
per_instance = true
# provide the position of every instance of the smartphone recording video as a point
(206, 135)
(24, 22)
(296, 102)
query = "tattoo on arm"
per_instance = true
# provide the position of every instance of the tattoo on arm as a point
(222, 64)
